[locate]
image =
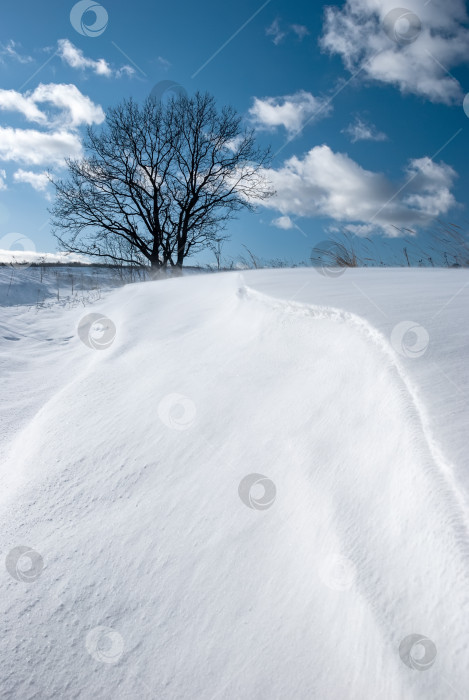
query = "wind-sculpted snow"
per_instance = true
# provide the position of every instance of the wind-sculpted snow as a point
(48, 285)
(239, 496)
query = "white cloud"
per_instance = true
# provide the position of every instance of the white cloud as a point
(361, 230)
(13, 101)
(329, 184)
(283, 222)
(74, 107)
(68, 98)
(278, 34)
(275, 32)
(361, 131)
(66, 109)
(9, 50)
(291, 111)
(39, 181)
(430, 186)
(75, 58)
(128, 71)
(300, 30)
(3, 185)
(33, 147)
(234, 143)
(413, 49)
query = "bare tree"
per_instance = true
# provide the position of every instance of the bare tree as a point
(217, 249)
(159, 182)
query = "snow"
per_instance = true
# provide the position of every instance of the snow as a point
(238, 485)
(28, 257)
(68, 284)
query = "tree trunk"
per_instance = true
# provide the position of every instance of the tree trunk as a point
(157, 269)
(180, 253)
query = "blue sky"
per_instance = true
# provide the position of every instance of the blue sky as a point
(362, 105)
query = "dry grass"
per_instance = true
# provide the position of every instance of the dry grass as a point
(447, 245)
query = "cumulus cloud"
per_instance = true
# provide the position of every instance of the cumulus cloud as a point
(127, 71)
(361, 131)
(430, 192)
(413, 49)
(328, 184)
(38, 181)
(74, 107)
(283, 222)
(64, 110)
(75, 58)
(33, 147)
(13, 101)
(3, 175)
(291, 111)
(234, 143)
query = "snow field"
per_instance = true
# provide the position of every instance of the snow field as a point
(127, 474)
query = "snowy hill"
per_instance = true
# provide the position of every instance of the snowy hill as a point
(33, 257)
(41, 285)
(238, 485)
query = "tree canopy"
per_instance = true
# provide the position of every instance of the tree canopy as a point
(159, 182)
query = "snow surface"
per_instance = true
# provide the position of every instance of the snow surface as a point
(67, 284)
(25, 257)
(163, 568)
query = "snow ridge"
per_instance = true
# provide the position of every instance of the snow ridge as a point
(445, 472)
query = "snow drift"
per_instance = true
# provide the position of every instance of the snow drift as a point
(234, 497)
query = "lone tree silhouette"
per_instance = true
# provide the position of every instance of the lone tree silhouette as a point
(159, 182)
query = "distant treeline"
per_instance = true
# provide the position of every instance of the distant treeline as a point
(108, 266)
